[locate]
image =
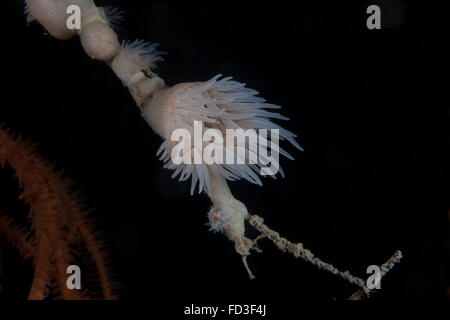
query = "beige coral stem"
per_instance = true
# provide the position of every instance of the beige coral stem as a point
(299, 251)
(385, 268)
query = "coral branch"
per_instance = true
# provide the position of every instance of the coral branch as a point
(83, 226)
(43, 262)
(228, 215)
(299, 251)
(18, 236)
(95, 245)
(385, 268)
(58, 221)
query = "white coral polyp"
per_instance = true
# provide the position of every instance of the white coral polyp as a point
(114, 16)
(136, 59)
(142, 54)
(219, 104)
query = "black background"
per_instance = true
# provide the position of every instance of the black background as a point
(370, 108)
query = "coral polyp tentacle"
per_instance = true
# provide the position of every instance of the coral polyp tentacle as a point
(220, 104)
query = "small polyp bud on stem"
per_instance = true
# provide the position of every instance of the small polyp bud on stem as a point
(97, 37)
(99, 41)
(133, 66)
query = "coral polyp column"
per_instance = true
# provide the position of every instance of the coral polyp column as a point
(98, 39)
(52, 15)
(101, 42)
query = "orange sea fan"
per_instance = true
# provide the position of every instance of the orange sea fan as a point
(59, 226)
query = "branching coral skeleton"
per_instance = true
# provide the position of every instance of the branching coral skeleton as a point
(219, 103)
(59, 225)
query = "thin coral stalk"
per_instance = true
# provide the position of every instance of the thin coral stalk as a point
(58, 221)
(17, 236)
(299, 251)
(385, 268)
